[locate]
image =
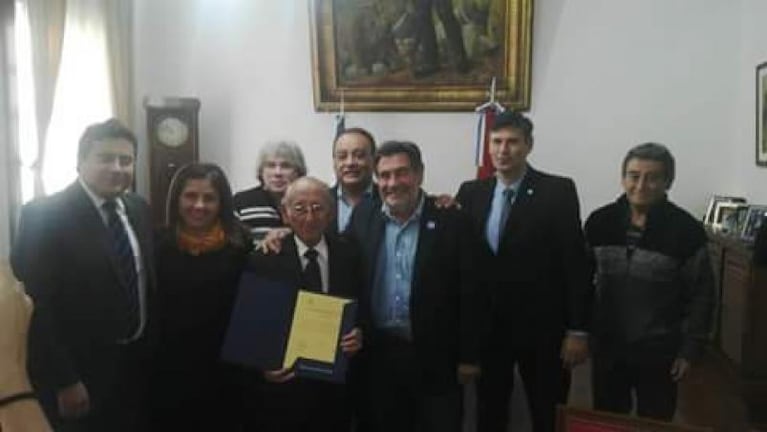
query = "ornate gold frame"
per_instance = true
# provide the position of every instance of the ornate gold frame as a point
(512, 88)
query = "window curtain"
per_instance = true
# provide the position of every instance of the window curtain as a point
(45, 21)
(81, 61)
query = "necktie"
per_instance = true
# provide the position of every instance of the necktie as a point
(126, 265)
(508, 197)
(312, 277)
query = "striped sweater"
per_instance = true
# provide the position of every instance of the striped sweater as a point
(258, 210)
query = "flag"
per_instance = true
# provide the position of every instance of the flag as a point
(486, 119)
(339, 126)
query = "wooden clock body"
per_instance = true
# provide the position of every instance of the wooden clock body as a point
(173, 136)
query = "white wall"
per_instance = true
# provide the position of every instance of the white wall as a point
(750, 180)
(606, 75)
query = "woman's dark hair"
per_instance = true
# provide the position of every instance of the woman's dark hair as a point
(236, 233)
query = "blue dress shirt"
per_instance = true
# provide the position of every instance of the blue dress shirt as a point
(394, 272)
(345, 209)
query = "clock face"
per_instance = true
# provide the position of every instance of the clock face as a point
(172, 132)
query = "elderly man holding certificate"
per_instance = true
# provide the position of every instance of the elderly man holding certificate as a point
(320, 276)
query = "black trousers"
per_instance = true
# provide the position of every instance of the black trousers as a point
(545, 380)
(116, 379)
(196, 397)
(400, 401)
(642, 368)
(296, 406)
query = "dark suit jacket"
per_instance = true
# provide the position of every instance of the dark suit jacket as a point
(538, 281)
(374, 197)
(444, 290)
(344, 276)
(300, 404)
(63, 255)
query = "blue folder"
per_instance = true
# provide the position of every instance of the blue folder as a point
(260, 326)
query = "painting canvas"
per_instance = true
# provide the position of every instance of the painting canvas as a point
(761, 114)
(420, 55)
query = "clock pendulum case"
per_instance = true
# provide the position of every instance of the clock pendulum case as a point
(173, 136)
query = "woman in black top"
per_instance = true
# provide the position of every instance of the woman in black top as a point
(200, 255)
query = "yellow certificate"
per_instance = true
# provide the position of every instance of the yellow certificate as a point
(316, 323)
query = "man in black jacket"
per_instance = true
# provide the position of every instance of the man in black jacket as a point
(85, 256)
(535, 263)
(654, 290)
(313, 260)
(419, 262)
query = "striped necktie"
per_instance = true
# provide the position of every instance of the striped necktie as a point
(126, 264)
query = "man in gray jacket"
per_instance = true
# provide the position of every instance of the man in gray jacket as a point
(654, 290)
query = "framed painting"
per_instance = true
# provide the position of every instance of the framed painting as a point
(761, 114)
(420, 55)
(756, 216)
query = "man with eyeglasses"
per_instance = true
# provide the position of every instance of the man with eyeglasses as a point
(312, 260)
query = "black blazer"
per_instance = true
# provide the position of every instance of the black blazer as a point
(444, 291)
(344, 270)
(374, 197)
(63, 255)
(538, 281)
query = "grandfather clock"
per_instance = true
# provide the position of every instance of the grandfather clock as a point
(173, 136)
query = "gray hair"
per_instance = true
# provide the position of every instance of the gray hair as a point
(288, 150)
(654, 152)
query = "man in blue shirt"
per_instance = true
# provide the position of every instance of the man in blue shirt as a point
(534, 260)
(424, 297)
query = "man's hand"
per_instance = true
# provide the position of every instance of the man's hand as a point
(74, 401)
(468, 373)
(679, 369)
(445, 201)
(279, 376)
(352, 342)
(272, 243)
(575, 350)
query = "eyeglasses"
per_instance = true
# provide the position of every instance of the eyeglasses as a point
(302, 209)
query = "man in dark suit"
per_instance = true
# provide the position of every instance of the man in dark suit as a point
(536, 268)
(419, 269)
(85, 255)
(353, 152)
(315, 261)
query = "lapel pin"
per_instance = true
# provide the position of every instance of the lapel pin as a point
(530, 192)
(430, 225)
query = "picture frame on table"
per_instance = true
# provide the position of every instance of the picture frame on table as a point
(729, 217)
(713, 202)
(761, 114)
(757, 214)
(404, 55)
